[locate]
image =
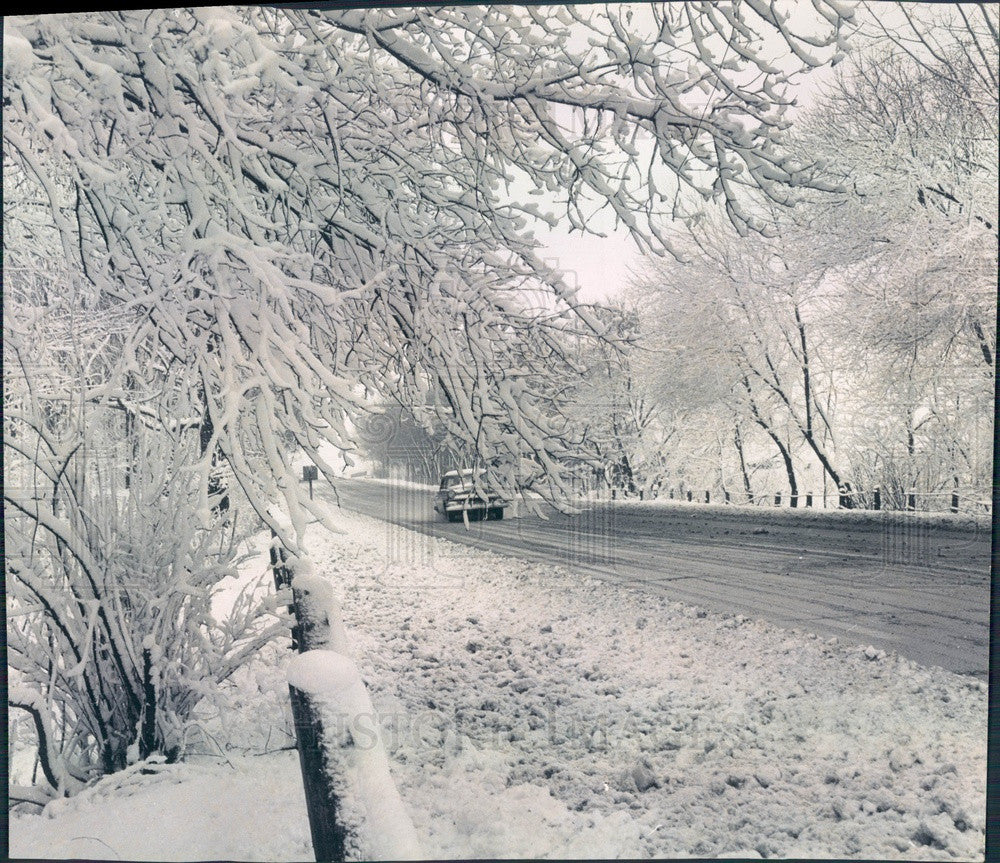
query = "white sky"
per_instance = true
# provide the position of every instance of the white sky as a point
(598, 266)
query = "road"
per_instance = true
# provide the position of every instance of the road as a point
(920, 590)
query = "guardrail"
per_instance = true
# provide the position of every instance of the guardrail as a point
(352, 802)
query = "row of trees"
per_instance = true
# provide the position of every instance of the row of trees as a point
(855, 347)
(852, 348)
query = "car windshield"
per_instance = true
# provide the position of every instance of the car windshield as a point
(458, 479)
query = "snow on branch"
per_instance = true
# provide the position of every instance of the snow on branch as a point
(296, 213)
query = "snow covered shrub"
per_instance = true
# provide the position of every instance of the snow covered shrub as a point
(113, 547)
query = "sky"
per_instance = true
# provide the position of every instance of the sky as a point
(597, 266)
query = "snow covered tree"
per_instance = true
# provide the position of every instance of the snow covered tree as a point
(863, 335)
(284, 214)
(300, 202)
(748, 320)
(398, 439)
(911, 128)
(617, 417)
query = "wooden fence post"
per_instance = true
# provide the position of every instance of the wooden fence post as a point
(333, 707)
(954, 501)
(318, 613)
(708, 499)
(809, 498)
(911, 500)
(328, 835)
(777, 499)
(878, 497)
(282, 580)
(322, 643)
(726, 493)
(689, 496)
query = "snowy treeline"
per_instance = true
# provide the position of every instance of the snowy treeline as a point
(856, 345)
(304, 207)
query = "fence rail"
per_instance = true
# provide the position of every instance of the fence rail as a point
(967, 501)
(353, 805)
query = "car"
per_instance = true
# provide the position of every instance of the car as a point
(457, 495)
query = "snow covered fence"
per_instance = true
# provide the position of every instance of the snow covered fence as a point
(353, 806)
(965, 501)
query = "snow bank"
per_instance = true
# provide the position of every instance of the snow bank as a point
(402, 483)
(249, 808)
(354, 756)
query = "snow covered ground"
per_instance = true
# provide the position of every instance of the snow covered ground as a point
(531, 711)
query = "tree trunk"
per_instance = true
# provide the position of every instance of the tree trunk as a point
(216, 490)
(147, 735)
(786, 455)
(738, 440)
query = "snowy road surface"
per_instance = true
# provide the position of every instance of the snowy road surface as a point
(917, 586)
